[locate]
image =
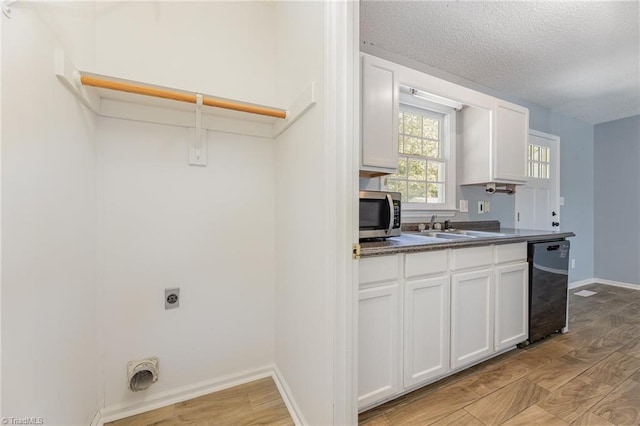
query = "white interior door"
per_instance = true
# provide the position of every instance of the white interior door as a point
(538, 202)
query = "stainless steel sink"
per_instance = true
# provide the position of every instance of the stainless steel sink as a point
(459, 234)
(448, 235)
(478, 233)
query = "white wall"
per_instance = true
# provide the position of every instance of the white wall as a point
(100, 215)
(208, 230)
(49, 331)
(304, 304)
(220, 48)
(1, 31)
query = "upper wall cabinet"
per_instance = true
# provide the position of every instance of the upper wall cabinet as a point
(380, 109)
(492, 133)
(510, 133)
(493, 144)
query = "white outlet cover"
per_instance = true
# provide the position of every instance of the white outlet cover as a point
(174, 293)
(464, 206)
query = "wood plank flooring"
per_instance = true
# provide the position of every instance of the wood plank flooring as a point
(255, 403)
(589, 376)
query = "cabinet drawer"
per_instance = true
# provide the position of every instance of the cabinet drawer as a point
(472, 257)
(511, 252)
(426, 263)
(379, 269)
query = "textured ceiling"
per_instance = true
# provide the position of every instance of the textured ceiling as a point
(580, 58)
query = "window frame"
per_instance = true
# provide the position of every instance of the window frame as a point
(531, 162)
(448, 149)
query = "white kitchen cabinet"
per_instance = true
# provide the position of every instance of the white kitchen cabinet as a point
(472, 257)
(493, 144)
(380, 110)
(379, 322)
(511, 127)
(425, 315)
(426, 329)
(511, 253)
(376, 270)
(512, 295)
(512, 305)
(378, 343)
(472, 321)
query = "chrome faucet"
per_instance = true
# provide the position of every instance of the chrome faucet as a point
(433, 219)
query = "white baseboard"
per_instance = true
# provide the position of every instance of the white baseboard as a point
(588, 281)
(581, 283)
(617, 283)
(97, 420)
(287, 397)
(184, 393)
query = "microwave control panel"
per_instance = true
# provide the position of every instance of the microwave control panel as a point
(396, 214)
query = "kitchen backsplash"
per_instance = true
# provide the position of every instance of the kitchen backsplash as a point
(480, 225)
(502, 206)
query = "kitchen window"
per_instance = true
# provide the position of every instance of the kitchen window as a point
(426, 173)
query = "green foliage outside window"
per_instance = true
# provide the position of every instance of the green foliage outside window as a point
(421, 168)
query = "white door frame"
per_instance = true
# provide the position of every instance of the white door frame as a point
(341, 165)
(556, 170)
(1, 20)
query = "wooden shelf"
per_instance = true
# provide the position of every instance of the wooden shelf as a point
(120, 98)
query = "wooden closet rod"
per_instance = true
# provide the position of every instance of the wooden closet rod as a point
(178, 96)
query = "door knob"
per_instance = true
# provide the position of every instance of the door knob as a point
(555, 223)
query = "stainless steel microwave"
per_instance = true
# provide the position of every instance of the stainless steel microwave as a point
(380, 214)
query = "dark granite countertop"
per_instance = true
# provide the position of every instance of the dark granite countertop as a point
(411, 242)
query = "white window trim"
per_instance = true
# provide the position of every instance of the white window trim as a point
(539, 162)
(414, 210)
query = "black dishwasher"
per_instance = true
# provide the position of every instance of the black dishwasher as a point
(548, 281)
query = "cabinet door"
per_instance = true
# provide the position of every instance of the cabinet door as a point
(426, 329)
(510, 150)
(380, 109)
(512, 304)
(378, 343)
(472, 324)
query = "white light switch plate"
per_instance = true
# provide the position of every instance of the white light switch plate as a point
(464, 206)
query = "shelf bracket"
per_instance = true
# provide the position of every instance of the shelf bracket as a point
(302, 104)
(198, 142)
(68, 74)
(6, 7)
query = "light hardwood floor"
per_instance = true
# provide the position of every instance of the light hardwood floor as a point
(255, 403)
(589, 376)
